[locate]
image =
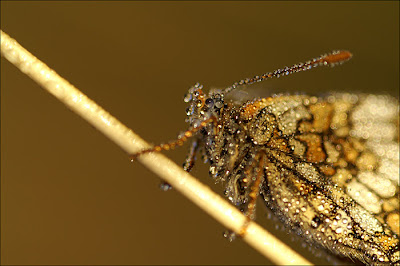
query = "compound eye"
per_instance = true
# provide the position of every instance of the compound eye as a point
(209, 102)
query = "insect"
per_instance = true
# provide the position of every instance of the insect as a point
(327, 166)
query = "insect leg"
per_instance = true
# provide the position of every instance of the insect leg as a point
(191, 157)
(172, 144)
(187, 165)
(254, 191)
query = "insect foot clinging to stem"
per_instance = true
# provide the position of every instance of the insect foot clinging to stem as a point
(328, 167)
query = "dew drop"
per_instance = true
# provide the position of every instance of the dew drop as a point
(339, 230)
(213, 170)
(209, 102)
(187, 97)
(219, 104)
(316, 221)
(164, 186)
(229, 235)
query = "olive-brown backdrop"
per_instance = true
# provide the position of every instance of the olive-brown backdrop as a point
(70, 196)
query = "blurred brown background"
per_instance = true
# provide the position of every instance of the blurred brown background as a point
(70, 196)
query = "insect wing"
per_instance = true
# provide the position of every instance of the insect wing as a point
(332, 172)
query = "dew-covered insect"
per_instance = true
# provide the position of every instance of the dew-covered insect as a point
(327, 166)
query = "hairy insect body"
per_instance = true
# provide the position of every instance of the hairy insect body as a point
(328, 167)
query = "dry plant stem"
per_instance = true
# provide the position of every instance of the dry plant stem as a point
(198, 193)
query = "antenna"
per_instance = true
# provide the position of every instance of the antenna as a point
(331, 59)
